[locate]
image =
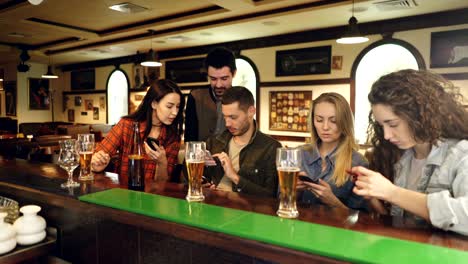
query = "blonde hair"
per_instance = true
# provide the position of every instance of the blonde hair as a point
(345, 124)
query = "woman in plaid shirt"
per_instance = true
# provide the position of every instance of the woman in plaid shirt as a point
(159, 116)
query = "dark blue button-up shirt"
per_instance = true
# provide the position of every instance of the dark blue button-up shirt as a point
(312, 165)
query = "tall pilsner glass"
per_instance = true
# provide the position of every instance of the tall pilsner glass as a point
(195, 159)
(85, 147)
(288, 163)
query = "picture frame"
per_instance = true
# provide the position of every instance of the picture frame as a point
(78, 100)
(102, 102)
(337, 62)
(290, 110)
(95, 113)
(10, 97)
(71, 115)
(449, 49)
(83, 79)
(306, 61)
(186, 71)
(39, 94)
(138, 77)
(89, 105)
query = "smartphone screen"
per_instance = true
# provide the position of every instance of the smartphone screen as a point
(150, 140)
(307, 179)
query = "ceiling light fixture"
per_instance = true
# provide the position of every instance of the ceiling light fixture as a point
(49, 74)
(151, 59)
(35, 2)
(128, 8)
(352, 34)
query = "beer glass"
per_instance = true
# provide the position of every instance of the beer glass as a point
(288, 164)
(195, 160)
(68, 160)
(85, 147)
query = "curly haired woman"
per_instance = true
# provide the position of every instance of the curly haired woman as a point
(418, 129)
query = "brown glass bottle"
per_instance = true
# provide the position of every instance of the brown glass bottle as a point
(136, 164)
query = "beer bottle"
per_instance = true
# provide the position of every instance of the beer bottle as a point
(136, 165)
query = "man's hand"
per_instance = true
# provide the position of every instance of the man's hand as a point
(227, 166)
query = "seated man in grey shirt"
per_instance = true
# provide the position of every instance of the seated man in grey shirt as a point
(247, 156)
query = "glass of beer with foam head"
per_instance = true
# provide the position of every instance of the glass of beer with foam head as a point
(288, 164)
(85, 147)
(195, 160)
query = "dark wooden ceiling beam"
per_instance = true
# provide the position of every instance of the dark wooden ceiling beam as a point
(379, 27)
(447, 18)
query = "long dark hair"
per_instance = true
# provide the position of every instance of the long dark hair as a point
(156, 92)
(429, 104)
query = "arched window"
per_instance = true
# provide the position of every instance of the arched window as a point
(247, 76)
(117, 96)
(378, 59)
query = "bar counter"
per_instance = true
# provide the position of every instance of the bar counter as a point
(90, 233)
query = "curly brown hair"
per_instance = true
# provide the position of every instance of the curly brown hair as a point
(430, 105)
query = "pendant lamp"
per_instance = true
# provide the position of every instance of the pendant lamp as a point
(352, 34)
(151, 59)
(49, 74)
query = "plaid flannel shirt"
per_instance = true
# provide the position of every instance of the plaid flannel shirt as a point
(120, 137)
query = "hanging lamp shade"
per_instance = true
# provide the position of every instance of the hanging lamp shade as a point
(151, 60)
(352, 35)
(49, 74)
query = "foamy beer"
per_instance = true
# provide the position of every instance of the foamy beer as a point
(195, 160)
(288, 163)
(85, 148)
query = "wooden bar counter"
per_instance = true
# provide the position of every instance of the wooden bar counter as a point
(90, 233)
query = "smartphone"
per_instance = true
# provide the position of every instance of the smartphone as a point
(218, 162)
(210, 160)
(307, 179)
(150, 140)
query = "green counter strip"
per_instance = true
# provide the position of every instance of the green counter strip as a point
(316, 239)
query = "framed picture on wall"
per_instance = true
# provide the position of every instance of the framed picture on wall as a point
(186, 71)
(89, 105)
(449, 48)
(290, 110)
(71, 115)
(39, 95)
(316, 60)
(138, 76)
(95, 113)
(10, 98)
(77, 100)
(83, 80)
(102, 102)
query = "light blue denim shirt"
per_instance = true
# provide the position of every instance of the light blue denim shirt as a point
(312, 165)
(444, 180)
